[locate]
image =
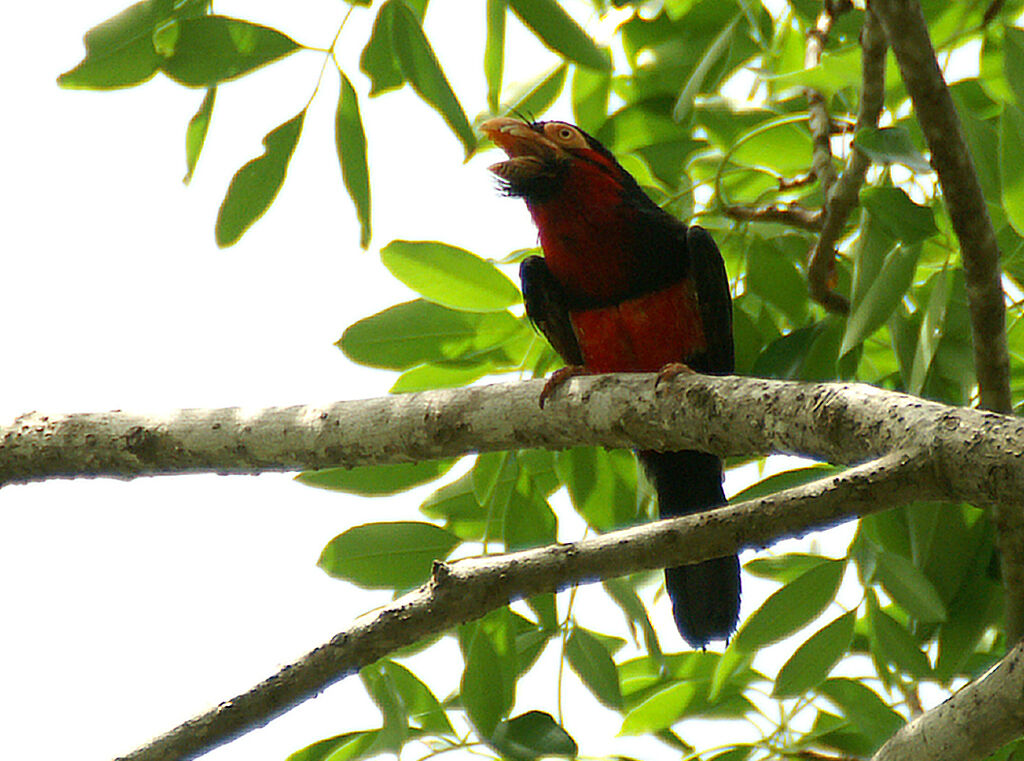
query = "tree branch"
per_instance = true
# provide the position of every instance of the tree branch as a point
(467, 589)
(842, 197)
(788, 214)
(972, 724)
(974, 454)
(907, 32)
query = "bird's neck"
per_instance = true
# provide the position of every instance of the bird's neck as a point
(585, 230)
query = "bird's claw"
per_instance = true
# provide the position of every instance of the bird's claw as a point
(558, 377)
(670, 371)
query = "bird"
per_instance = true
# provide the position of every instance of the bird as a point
(623, 286)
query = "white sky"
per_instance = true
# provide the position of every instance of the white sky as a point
(129, 607)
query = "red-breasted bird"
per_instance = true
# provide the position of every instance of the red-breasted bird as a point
(625, 286)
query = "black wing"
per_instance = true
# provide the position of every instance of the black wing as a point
(712, 281)
(547, 308)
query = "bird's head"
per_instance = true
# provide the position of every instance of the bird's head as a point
(542, 156)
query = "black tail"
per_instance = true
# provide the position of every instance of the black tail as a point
(706, 596)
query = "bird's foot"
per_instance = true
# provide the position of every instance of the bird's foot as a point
(558, 377)
(670, 371)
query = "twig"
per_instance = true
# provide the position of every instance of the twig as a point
(907, 32)
(466, 589)
(842, 197)
(820, 122)
(788, 214)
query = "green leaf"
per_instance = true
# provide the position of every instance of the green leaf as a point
(558, 31)
(781, 143)
(255, 185)
(864, 708)
(737, 753)
(421, 68)
(489, 678)
(532, 735)
(899, 216)
(812, 661)
(1011, 165)
(1013, 61)
(529, 519)
(695, 82)
(602, 485)
(346, 747)
(376, 480)
(455, 504)
(882, 297)
(450, 276)
(395, 729)
(378, 59)
(590, 90)
(788, 479)
(625, 596)
(773, 276)
(783, 568)
(910, 588)
(592, 662)
(891, 145)
(120, 52)
(836, 71)
(792, 607)
(350, 142)
(435, 375)
(419, 331)
(541, 94)
(494, 52)
(417, 701)
(976, 609)
(195, 134)
(213, 49)
(930, 333)
(396, 555)
(661, 709)
(897, 646)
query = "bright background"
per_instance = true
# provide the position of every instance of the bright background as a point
(130, 607)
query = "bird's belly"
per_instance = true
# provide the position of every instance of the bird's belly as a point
(642, 334)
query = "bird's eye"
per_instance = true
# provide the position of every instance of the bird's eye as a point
(565, 133)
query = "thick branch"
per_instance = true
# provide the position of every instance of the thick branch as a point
(976, 455)
(907, 32)
(843, 195)
(973, 724)
(467, 589)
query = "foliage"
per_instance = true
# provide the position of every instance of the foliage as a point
(674, 110)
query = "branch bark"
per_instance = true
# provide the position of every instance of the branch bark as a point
(466, 589)
(907, 32)
(972, 724)
(975, 455)
(842, 196)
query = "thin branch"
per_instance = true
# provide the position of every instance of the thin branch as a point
(820, 123)
(843, 195)
(821, 273)
(976, 454)
(788, 214)
(467, 589)
(973, 724)
(907, 32)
